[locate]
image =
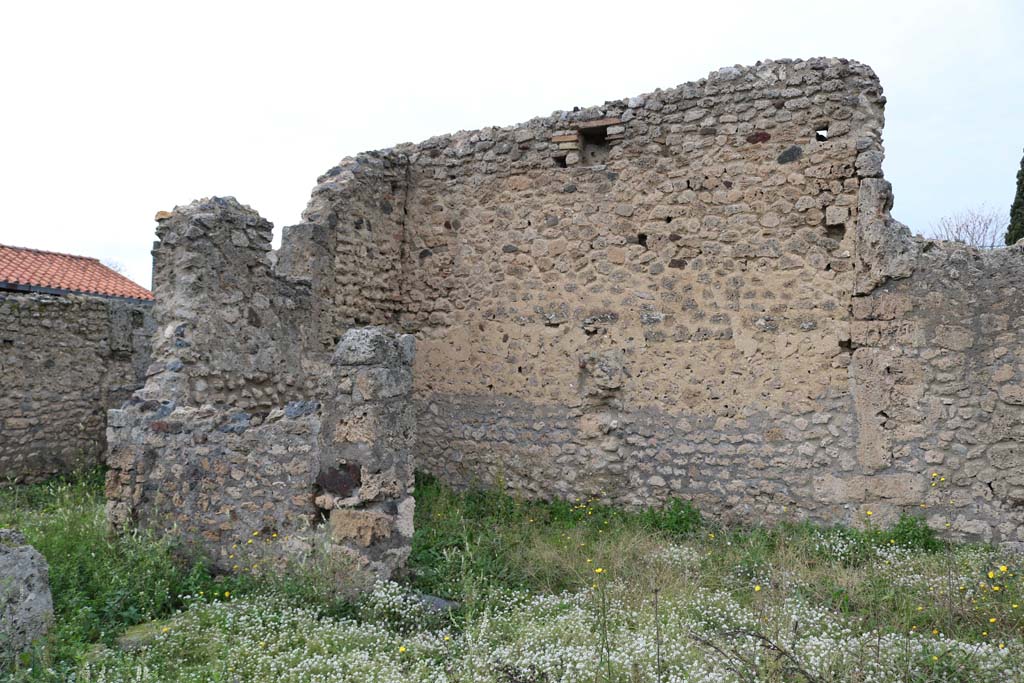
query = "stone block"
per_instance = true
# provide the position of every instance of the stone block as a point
(26, 607)
(953, 337)
(836, 215)
(365, 346)
(372, 384)
(1007, 455)
(362, 527)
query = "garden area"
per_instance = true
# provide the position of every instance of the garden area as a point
(501, 590)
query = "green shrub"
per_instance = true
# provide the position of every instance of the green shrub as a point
(101, 583)
(914, 533)
(678, 518)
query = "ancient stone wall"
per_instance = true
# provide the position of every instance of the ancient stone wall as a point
(247, 429)
(938, 380)
(640, 300)
(64, 360)
(675, 295)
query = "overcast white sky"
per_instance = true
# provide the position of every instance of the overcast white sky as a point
(110, 111)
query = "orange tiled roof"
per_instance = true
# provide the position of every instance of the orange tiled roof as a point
(33, 269)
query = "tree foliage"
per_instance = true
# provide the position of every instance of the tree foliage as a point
(1016, 230)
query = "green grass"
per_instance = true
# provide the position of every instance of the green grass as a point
(676, 598)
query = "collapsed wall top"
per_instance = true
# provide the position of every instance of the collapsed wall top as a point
(250, 440)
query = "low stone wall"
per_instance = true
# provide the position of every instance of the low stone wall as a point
(64, 360)
(249, 442)
(938, 378)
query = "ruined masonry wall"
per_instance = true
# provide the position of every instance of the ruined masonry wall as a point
(938, 373)
(64, 360)
(636, 301)
(247, 428)
(683, 294)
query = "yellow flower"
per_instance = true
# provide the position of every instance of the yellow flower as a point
(992, 620)
(255, 533)
(991, 575)
(1002, 567)
(447, 637)
(757, 588)
(935, 631)
(165, 629)
(869, 513)
(599, 570)
(227, 594)
(401, 648)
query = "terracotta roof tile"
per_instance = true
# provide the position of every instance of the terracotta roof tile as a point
(51, 270)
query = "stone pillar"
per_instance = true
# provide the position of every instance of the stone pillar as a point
(248, 434)
(366, 463)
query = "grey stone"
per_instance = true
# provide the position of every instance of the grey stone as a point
(26, 607)
(791, 154)
(362, 346)
(432, 603)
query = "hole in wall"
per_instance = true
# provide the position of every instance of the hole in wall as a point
(836, 232)
(641, 239)
(821, 133)
(668, 219)
(595, 144)
(560, 161)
